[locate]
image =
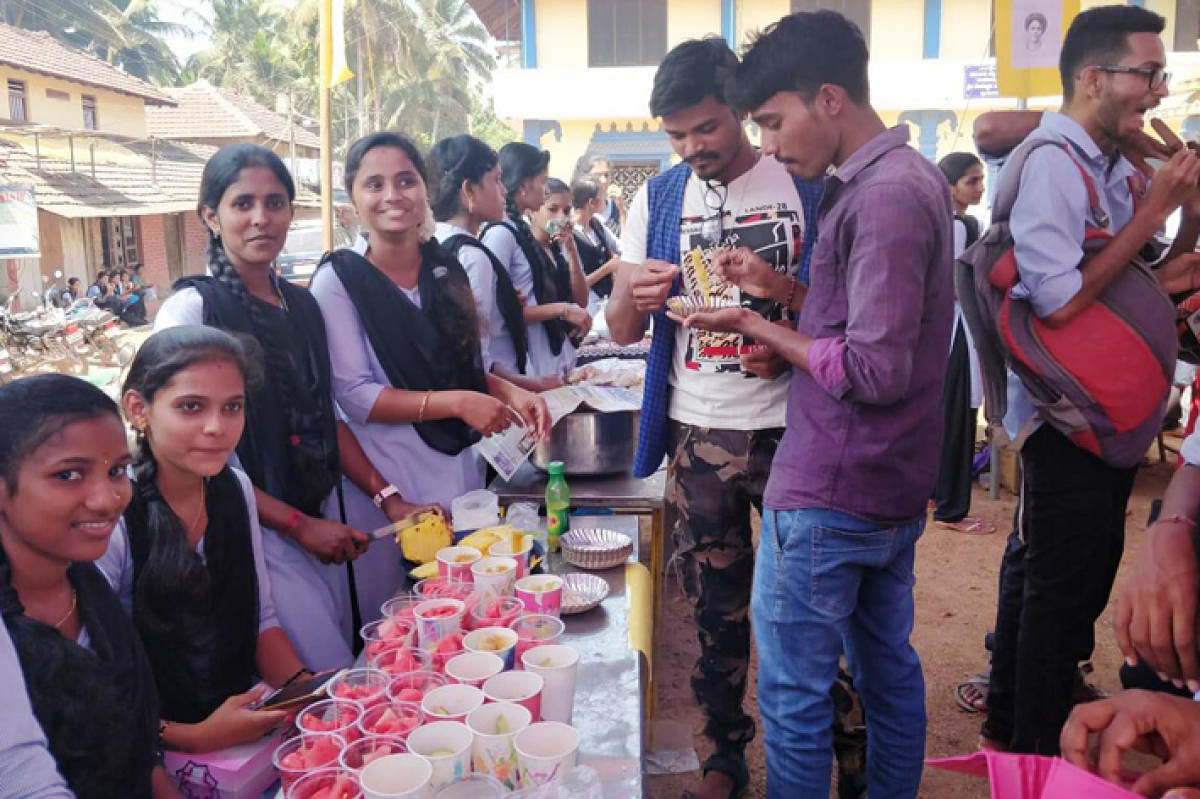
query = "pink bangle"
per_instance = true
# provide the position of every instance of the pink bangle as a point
(1177, 518)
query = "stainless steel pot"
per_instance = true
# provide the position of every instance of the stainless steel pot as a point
(589, 442)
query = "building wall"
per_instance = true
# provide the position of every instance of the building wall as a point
(115, 112)
(754, 15)
(195, 244)
(691, 19)
(152, 236)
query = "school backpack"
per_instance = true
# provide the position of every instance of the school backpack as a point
(1101, 378)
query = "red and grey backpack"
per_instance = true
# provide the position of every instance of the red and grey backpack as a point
(1101, 378)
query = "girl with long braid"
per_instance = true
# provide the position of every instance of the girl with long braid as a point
(293, 448)
(405, 345)
(63, 487)
(555, 300)
(186, 560)
(465, 194)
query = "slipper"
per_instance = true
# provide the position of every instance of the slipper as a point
(980, 683)
(968, 525)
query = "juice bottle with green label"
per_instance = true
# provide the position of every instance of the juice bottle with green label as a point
(558, 504)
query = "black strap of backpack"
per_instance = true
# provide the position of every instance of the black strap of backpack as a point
(600, 231)
(508, 302)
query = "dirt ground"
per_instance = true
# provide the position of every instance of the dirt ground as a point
(956, 603)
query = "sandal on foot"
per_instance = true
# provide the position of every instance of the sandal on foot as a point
(968, 525)
(979, 683)
(731, 767)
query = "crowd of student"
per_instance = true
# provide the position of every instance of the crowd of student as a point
(145, 594)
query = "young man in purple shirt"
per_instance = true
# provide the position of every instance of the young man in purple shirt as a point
(849, 484)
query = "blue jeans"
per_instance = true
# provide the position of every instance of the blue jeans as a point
(825, 578)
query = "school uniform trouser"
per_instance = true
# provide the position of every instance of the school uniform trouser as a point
(1055, 580)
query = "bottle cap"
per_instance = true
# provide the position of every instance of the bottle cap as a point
(554, 467)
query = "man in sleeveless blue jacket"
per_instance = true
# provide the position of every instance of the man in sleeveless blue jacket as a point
(714, 403)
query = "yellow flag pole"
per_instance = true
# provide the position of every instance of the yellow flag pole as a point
(326, 52)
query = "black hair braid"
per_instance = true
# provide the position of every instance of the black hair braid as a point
(453, 308)
(62, 688)
(173, 576)
(278, 369)
(524, 235)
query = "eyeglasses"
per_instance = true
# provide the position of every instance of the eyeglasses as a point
(713, 226)
(1156, 77)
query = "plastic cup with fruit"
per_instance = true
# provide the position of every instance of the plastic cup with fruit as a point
(366, 686)
(306, 752)
(369, 748)
(494, 612)
(338, 716)
(326, 783)
(413, 686)
(402, 659)
(534, 630)
(394, 719)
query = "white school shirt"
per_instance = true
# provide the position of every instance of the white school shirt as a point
(494, 341)
(540, 360)
(117, 563)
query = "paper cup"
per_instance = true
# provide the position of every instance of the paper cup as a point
(489, 611)
(541, 593)
(494, 576)
(499, 640)
(437, 619)
(493, 752)
(451, 702)
(368, 687)
(297, 756)
(520, 687)
(447, 747)
(339, 716)
(454, 563)
(325, 782)
(473, 668)
(368, 749)
(391, 720)
(536, 630)
(404, 776)
(413, 686)
(544, 751)
(401, 660)
(558, 665)
(501, 549)
(474, 786)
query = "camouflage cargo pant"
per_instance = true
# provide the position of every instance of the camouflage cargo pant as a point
(714, 477)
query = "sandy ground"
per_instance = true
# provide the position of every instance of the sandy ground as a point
(956, 602)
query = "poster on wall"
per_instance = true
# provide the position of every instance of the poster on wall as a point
(1029, 36)
(1036, 33)
(18, 222)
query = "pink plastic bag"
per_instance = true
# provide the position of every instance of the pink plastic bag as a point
(1032, 776)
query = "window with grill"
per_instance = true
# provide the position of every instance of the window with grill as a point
(1187, 25)
(89, 112)
(857, 11)
(625, 33)
(16, 101)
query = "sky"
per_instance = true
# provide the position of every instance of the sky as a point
(185, 14)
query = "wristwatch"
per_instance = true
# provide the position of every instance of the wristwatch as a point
(388, 490)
